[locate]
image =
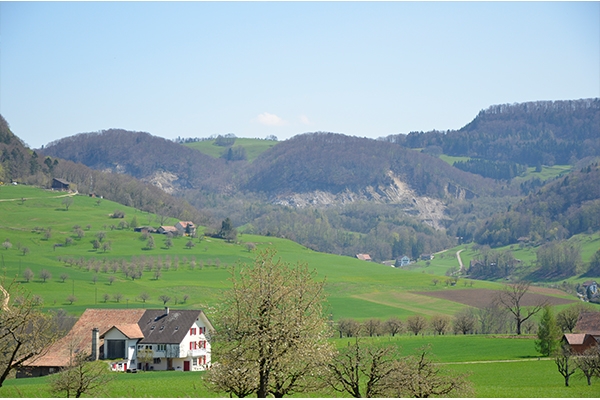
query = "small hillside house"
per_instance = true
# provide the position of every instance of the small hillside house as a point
(60, 184)
(165, 229)
(401, 262)
(159, 339)
(579, 342)
(186, 228)
(364, 257)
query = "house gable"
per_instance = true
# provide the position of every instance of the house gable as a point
(79, 337)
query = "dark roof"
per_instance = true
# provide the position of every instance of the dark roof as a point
(588, 322)
(160, 327)
(62, 181)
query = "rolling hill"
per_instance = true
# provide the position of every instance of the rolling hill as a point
(191, 276)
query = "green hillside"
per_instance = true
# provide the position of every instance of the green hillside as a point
(355, 288)
(254, 147)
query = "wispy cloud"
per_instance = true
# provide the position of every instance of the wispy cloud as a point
(270, 119)
(304, 120)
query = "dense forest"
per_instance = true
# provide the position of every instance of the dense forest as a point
(534, 133)
(22, 165)
(560, 209)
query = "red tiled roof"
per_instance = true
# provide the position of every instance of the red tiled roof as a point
(132, 331)
(79, 337)
(575, 338)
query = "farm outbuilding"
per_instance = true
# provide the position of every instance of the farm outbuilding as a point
(60, 184)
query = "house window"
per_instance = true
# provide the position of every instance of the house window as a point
(161, 347)
(192, 331)
(202, 330)
(193, 345)
(202, 360)
(157, 361)
(202, 344)
(195, 362)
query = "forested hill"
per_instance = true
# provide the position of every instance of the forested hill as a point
(143, 156)
(560, 209)
(533, 133)
(20, 164)
(335, 162)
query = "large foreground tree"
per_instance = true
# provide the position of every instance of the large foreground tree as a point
(271, 331)
(25, 332)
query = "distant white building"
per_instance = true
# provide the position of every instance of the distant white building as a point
(401, 262)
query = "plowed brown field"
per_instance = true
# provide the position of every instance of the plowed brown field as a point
(483, 297)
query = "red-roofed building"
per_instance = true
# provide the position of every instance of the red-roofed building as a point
(364, 257)
(579, 342)
(174, 339)
(186, 228)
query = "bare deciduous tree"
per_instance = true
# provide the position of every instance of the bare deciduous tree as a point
(564, 362)
(393, 326)
(439, 324)
(372, 327)
(416, 324)
(418, 376)
(511, 298)
(82, 377)
(464, 321)
(348, 327)
(361, 371)
(23, 328)
(28, 274)
(164, 298)
(589, 363)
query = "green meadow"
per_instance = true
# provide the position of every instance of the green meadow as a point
(254, 147)
(354, 288)
(496, 366)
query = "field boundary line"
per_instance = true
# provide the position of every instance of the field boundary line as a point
(494, 361)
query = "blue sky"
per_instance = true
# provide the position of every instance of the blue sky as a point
(196, 69)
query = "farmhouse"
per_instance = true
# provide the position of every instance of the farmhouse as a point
(60, 184)
(185, 228)
(165, 229)
(132, 339)
(401, 262)
(364, 257)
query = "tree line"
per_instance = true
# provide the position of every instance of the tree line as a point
(558, 210)
(544, 133)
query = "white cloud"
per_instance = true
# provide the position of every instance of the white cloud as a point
(270, 119)
(304, 120)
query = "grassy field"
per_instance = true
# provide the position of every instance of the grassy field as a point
(452, 159)
(355, 288)
(497, 367)
(254, 147)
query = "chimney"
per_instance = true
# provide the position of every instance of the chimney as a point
(95, 344)
(166, 310)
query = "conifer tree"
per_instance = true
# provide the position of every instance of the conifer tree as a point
(548, 333)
